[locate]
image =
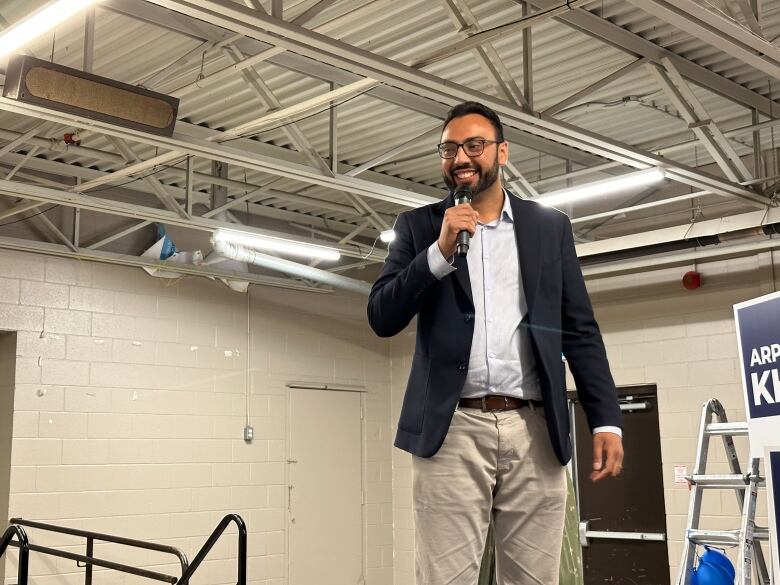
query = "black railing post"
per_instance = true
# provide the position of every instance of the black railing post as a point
(24, 564)
(88, 571)
(24, 550)
(242, 540)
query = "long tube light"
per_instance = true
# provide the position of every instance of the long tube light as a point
(274, 244)
(604, 187)
(39, 23)
(244, 254)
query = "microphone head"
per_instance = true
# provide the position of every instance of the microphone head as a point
(462, 194)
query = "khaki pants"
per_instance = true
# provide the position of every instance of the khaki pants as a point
(491, 463)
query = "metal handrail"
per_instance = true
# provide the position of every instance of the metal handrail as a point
(89, 560)
(24, 550)
(212, 540)
(163, 548)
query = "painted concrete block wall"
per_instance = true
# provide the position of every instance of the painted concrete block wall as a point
(7, 372)
(655, 332)
(131, 398)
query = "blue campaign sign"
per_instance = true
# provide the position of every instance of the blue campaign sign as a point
(774, 504)
(758, 327)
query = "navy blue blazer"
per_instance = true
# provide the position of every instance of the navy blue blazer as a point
(560, 320)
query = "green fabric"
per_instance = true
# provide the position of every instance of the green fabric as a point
(571, 562)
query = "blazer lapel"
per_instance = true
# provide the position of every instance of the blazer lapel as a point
(528, 242)
(462, 268)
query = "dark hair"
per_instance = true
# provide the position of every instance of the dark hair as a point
(466, 108)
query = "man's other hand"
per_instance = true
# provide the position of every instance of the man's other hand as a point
(607, 456)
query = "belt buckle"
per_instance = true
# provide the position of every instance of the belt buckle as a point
(484, 404)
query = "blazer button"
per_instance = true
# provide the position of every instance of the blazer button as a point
(468, 318)
(462, 367)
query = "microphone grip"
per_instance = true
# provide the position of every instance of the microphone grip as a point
(464, 237)
(462, 243)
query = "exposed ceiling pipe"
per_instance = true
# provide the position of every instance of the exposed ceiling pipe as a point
(685, 257)
(242, 254)
(683, 244)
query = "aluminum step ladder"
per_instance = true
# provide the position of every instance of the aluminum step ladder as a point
(745, 487)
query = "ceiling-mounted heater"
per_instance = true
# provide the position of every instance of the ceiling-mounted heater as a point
(41, 83)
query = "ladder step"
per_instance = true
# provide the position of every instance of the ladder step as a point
(713, 537)
(720, 537)
(720, 481)
(727, 428)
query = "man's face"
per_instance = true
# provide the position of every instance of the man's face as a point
(479, 172)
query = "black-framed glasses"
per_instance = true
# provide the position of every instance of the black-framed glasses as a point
(472, 147)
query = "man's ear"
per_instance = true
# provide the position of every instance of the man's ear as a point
(503, 153)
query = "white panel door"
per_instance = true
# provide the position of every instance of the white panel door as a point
(326, 487)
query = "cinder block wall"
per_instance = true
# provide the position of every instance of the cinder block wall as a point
(7, 369)
(656, 332)
(130, 403)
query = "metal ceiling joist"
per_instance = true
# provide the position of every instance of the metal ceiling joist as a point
(612, 34)
(261, 27)
(488, 57)
(182, 144)
(58, 168)
(718, 31)
(84, 202)
(699, 121)
(159, 16)
(160, 190)
(480, 38)
(603, 82)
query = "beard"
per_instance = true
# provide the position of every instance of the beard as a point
(484, 182)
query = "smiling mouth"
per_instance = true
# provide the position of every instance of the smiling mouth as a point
(464, 174)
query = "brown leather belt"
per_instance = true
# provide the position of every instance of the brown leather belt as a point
(494, 402)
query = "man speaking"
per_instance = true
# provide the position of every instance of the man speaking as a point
(485, 414)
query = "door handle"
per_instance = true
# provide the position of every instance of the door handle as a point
(586, 535)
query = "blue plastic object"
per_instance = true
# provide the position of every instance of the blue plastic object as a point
(714, 568)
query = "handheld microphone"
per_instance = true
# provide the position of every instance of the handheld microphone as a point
(462, 195)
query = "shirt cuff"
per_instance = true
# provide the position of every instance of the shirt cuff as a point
(437, 263)
(614, 430)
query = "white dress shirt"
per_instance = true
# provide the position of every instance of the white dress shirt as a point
(501, 360)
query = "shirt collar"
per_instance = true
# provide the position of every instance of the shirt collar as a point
(506, 211)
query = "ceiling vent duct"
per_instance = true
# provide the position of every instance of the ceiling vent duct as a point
(41, 83)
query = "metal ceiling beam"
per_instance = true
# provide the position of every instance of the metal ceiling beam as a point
(187, 144)
(161, 17)
(388, 154)
(593, 87)
(312, 11)
(693, 112)
(89, 39)
(118, 235)
(486, 54)
(261, 210)
(750, 18)
(319, 47)
(722, 33)
(612, 34)
(98, 205)
(154, 184)
(293, 132)
(495, 33)
(528, 59)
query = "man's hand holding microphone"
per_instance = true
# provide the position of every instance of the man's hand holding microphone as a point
(460, 223)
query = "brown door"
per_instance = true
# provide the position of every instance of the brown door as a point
(623, 520)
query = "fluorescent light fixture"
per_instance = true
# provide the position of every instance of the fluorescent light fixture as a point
(39, 23)
(274, 244)
(604, 187)
(387, 236)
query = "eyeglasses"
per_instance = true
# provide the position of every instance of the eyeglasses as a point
(472, 147)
